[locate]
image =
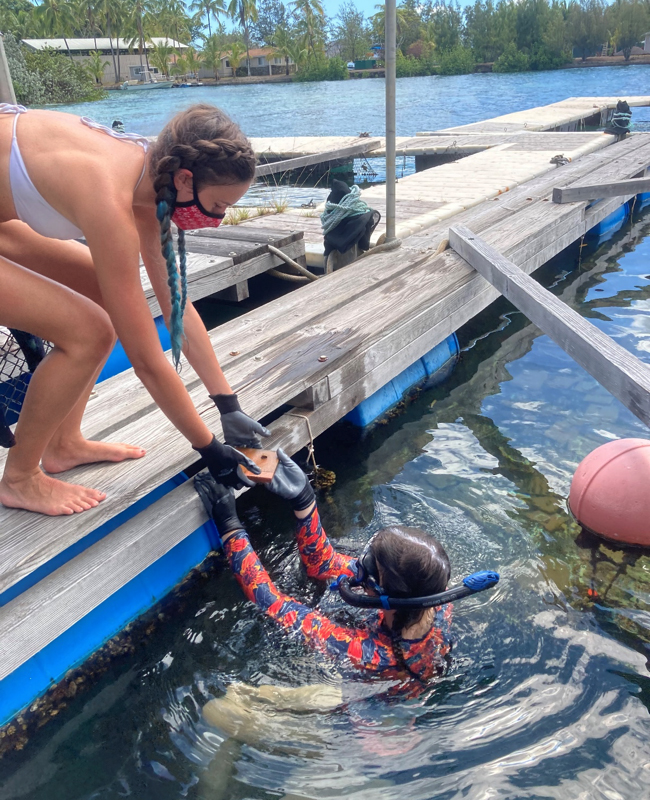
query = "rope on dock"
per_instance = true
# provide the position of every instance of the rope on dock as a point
(305, 274)
(384, 247)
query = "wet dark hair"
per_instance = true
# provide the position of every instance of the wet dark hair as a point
(413, 564)
(207, 142)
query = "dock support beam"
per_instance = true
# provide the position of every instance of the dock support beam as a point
(620, 372)
(390, 43)
(7, 94)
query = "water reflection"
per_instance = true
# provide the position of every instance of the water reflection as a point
(547, 694)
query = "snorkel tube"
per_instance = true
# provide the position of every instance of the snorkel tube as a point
(477, 582)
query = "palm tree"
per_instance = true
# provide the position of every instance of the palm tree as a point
(59, 18)
(312, 20)
(236, 53)
(173, 20)
(245, 12)
(207, 9)
(212, 53)
(283, 45)
(401, 23)
(187, 64)
(193, 60)
(161, 55)
(95, 65)
(106, 8)
(87, 9)
(140, 11)
(297, 53)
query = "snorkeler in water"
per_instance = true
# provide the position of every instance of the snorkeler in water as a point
(403, 572)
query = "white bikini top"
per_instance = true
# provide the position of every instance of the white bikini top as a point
(30, 206)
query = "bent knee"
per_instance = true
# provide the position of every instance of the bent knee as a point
(94, 335)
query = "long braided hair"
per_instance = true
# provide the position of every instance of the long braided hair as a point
(207, 142)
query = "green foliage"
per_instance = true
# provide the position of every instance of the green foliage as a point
(48, 77)
(512, 60)
(630, 21)
(586, 26)
(457, 61)
(412, 67)
(351, 32)
(27, 84)
(329, 69)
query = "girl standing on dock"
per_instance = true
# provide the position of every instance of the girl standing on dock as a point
(66, 178)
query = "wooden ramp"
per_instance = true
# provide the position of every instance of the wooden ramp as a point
(335, 341)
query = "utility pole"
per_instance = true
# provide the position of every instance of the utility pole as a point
(7, 94)
(390, 43)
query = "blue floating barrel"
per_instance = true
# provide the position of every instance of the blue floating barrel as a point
(434, 366)
(612, 223)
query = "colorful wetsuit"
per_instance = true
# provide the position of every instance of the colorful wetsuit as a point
(372, 647)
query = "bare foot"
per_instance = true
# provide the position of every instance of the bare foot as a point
(45, 495)
(59, 458)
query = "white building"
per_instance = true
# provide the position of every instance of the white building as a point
(130, 60)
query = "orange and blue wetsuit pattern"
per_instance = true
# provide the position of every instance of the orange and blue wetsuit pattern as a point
(372, 647)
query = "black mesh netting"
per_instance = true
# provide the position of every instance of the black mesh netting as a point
(20, 354)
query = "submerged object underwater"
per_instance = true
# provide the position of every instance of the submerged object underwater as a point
(610, 493)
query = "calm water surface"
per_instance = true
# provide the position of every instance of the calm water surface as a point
(548, 690)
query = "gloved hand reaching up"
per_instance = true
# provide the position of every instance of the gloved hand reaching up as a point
(239, 430)
(223, 462)
(219, 502)
(291, 483)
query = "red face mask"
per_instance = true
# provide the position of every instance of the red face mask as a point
(191, 215)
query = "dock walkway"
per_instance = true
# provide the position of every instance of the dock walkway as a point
(426, 198)
(570, 114)
(336, 341)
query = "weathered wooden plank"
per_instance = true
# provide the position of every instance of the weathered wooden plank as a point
(620, 372)
(573, 194)
(226, 248)
(363, 146)
(209, 274)
(250, 233)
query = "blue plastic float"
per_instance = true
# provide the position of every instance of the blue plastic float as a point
(434, 367)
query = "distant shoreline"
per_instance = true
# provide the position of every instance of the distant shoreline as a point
(577, 63)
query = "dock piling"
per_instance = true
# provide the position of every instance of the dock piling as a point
(390, 44)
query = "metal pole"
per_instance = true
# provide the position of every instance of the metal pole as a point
(7, 94)
(390, 40)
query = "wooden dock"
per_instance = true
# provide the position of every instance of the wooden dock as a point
(568, 115)
(321, 349)
(426, 198)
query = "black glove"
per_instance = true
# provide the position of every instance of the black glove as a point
(239, 430)
(223, 462)
(291, 483)
(219, 502)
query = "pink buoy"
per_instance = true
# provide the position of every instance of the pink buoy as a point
(610, 492)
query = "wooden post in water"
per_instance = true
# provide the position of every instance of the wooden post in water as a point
(620, 372)
(390, 43)
(7, 94)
